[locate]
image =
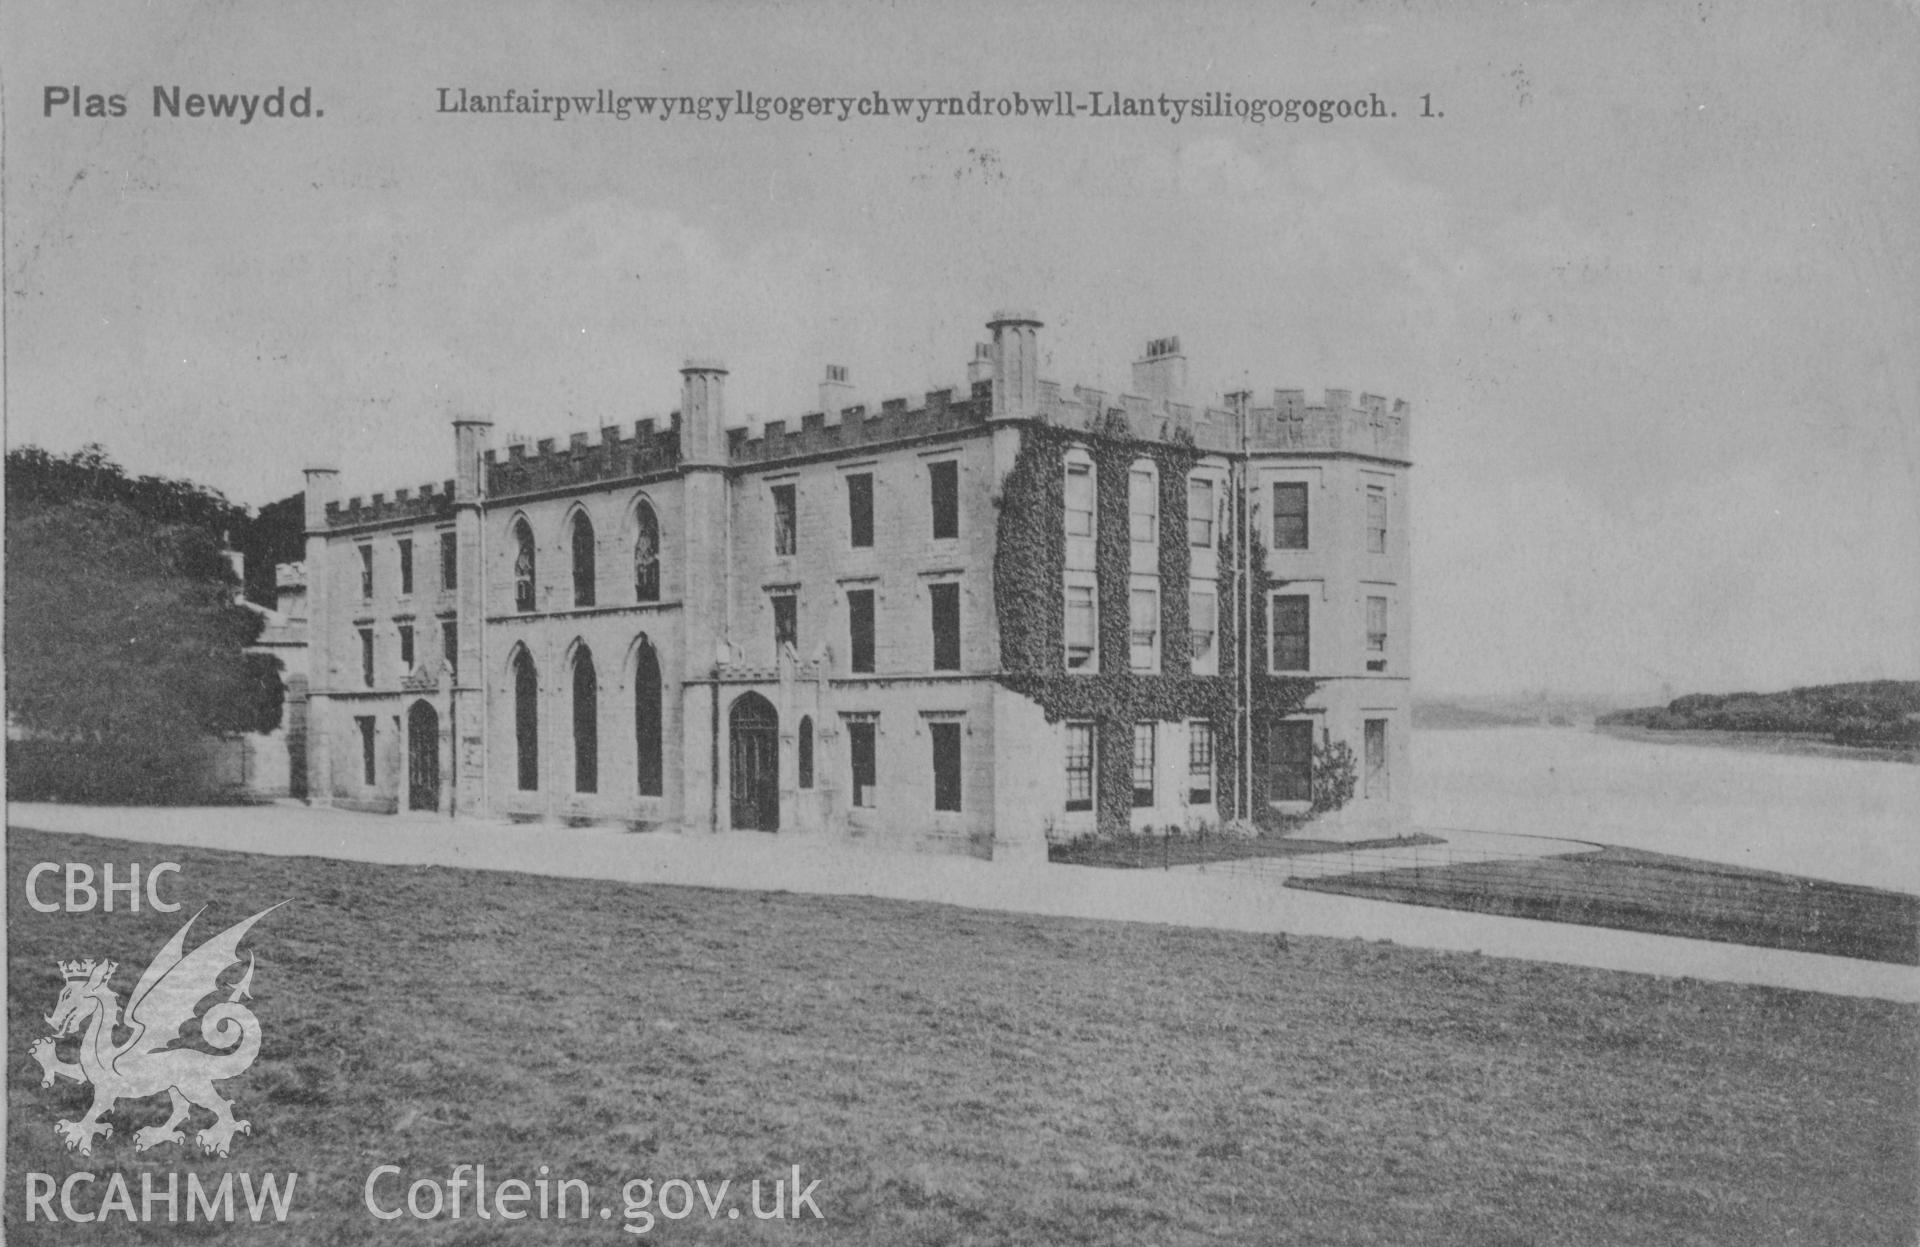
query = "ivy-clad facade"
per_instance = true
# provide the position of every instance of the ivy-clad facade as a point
(1010, 613)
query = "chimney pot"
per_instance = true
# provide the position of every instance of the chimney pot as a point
(1161, 373)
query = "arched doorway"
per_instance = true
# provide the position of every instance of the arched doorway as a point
(754, 732)
(423, 757)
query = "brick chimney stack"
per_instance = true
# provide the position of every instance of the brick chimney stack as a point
(836, 392)
(1162, 373)
(980, 367)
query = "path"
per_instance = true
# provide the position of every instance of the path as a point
(1228, 899)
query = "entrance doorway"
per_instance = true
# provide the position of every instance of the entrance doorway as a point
(423, 757)
(754, 733)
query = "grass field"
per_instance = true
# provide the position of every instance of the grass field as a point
(1638, 891)
(955, 1076)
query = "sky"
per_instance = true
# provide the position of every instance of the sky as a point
(1649, 274)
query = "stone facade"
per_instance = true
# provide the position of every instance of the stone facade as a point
(677, 625)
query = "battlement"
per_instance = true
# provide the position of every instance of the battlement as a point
(938, 414)
(1371, 426)
(1000, 385)
(614, 456)
(1337, 423)
(429, 502)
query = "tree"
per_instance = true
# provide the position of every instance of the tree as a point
(276, 534)
(124, 646)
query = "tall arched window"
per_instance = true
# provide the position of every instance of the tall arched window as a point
(646, 554)
(522, 566)
(526, 721)
(582, 559)
(586, 723)
(646, 719)
(806, 751)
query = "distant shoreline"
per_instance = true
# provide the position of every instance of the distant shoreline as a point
(1808, 744)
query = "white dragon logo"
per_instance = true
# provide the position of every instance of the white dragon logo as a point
(163, 1001)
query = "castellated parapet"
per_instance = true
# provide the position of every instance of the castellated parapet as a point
(651, 451)
(1371, 426)
(1335, 425)
(429, 502)
(895, 422)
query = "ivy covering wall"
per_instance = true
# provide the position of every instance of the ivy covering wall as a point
(1028, 579)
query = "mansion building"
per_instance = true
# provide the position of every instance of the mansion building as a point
(1008, 614)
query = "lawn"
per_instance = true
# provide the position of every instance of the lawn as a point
(1149, 851)
(956, 1076)
(1640, 891)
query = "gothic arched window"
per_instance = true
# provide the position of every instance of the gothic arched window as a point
(526, 721)
(647, 732)
(523, 567)
(586, 723)
(646, 554)
(583, 570)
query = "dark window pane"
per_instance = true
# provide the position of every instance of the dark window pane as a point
(647, 733)
(946, 626)
(860, 509)
(526, 722)
(786, 620)
(366, 657)
(366, 572)
(406, 566)
(806, 751)
(1289, 761)
(860, 738)
(406, 646)
(1289, 516)
(450, 646)
(366, 750)
(1290, 648)
(860, 629)
(946, 765)
(583, 561)
(945, 478)
(1079, 766)
(449, 562)
(586, 724)
(786, 539)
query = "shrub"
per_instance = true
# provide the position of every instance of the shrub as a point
(1334, 776)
